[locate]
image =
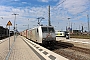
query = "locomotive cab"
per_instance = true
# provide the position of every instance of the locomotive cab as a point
(48, 35)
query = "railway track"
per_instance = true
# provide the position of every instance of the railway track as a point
(70, 51)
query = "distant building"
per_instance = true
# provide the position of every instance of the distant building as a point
(76, 31)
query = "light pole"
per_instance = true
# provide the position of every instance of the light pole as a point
(69, 27)
(14, 24)
(88, 22)
(16, 31)
(28, 24)
(69, 22)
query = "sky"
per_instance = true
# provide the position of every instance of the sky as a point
(60, 10)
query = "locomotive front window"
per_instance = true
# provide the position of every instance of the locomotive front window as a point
(51, 29)
(44, 29)
(47, 29)
(37, 30)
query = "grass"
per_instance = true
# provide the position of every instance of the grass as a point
(82, 36)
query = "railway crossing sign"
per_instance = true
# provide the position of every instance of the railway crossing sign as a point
(9, 23)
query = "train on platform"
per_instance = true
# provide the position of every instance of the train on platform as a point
(61, 33)
(4, 32)
(41, 34)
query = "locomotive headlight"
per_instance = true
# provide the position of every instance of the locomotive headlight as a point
(43, 39)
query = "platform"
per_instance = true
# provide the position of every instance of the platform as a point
(4, 47)
(20, 50)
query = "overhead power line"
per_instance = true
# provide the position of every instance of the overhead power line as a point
(59, 4)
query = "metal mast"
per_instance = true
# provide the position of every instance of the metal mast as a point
(88, 22)
(49, 22)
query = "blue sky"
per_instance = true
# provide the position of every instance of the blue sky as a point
(61, 10)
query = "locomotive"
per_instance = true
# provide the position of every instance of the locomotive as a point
(40, 34)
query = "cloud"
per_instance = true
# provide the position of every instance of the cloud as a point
(16, 0)
(71, 8)
(74, 9)
(75, 6)
(24, 2)
(43, 0)
(59, 14)
(31, 13)
(46, 0)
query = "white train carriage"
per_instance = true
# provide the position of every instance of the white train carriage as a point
(60, 33)
(42, 34)
(24, 33)
(28, 34)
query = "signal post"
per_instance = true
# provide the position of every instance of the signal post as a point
(9, 24)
